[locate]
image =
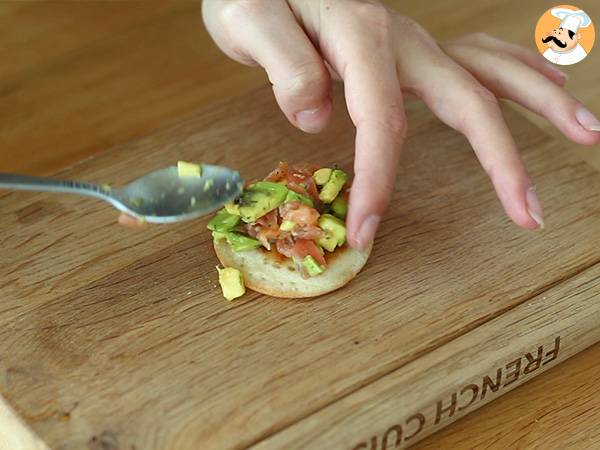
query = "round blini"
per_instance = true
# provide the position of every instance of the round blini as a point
(272, 274)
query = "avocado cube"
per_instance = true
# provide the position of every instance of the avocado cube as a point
(291, 196)
(186, 169)
(339, 207)
(232, 282)
(218, 236)
(334, 227)
(223, 221)
(240, 242)
(328, 242)
(333, 186)
(287, 225)
(232, 208)
(312, 266)
(322, 176)
(261, 198)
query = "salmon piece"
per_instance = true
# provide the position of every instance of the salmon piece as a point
(280, 173)
(299, 213)
(305, 247)
(311, 232)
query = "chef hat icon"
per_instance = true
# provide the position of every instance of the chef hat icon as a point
(570, 19)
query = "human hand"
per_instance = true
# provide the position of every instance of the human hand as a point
(379, 53)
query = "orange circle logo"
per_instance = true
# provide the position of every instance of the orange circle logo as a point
(565, 35)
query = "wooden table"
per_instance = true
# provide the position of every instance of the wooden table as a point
(81, 78)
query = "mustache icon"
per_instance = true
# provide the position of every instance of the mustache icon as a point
(555, 40)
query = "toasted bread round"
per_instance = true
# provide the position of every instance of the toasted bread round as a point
(270, 273)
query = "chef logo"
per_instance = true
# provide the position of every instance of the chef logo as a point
(564, 35)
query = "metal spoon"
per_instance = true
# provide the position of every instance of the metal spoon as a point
(161, 196)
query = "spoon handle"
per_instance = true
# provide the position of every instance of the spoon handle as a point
(28, 183)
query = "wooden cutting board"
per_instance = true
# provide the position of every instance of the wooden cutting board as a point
(113, 338)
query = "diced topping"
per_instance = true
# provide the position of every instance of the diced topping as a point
(322, 176)
(334, 228)
(287, 225)
(232, 283)
(240, 242)
(312, 232)
(186, 169)
(261, 198)
(233, 208)
(265, 229)
(285, 245)
(306, 247)
(288, 213)
(312, 267)
(223, 221)
(333, 186)
(294, 196)
(218, 235)
(278, 174)
(339, 207)
(328, 242)
(299, 213)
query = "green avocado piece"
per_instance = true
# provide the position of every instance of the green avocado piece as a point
(217, 236)
(260, 198)
(333, 186)
(223, 221)
(328, 242)
(334, 230)
(312, 266)
(287, 225)
(240, 242)
(339, 207)
(232, 208)
(291, 195)
(321, 176)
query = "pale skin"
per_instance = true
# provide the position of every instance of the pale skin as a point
(381, 55)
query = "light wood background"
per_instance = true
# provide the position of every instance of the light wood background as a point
(78, 78)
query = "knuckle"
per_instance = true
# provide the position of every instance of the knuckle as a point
(373, 16)
(308, 78)
(479, 96)
(396, 122)
(485, 95)
(477, 101)
(393, 122)
(234, 12)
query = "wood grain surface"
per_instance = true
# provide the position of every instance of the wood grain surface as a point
(133, 344)
(398, 409)
(79, 78)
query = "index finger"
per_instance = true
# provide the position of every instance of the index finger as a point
(367, 65)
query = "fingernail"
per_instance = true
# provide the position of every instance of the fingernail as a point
(313, 120)
(557, 71)
(586, 119)
(534, 207)
(367, 230)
